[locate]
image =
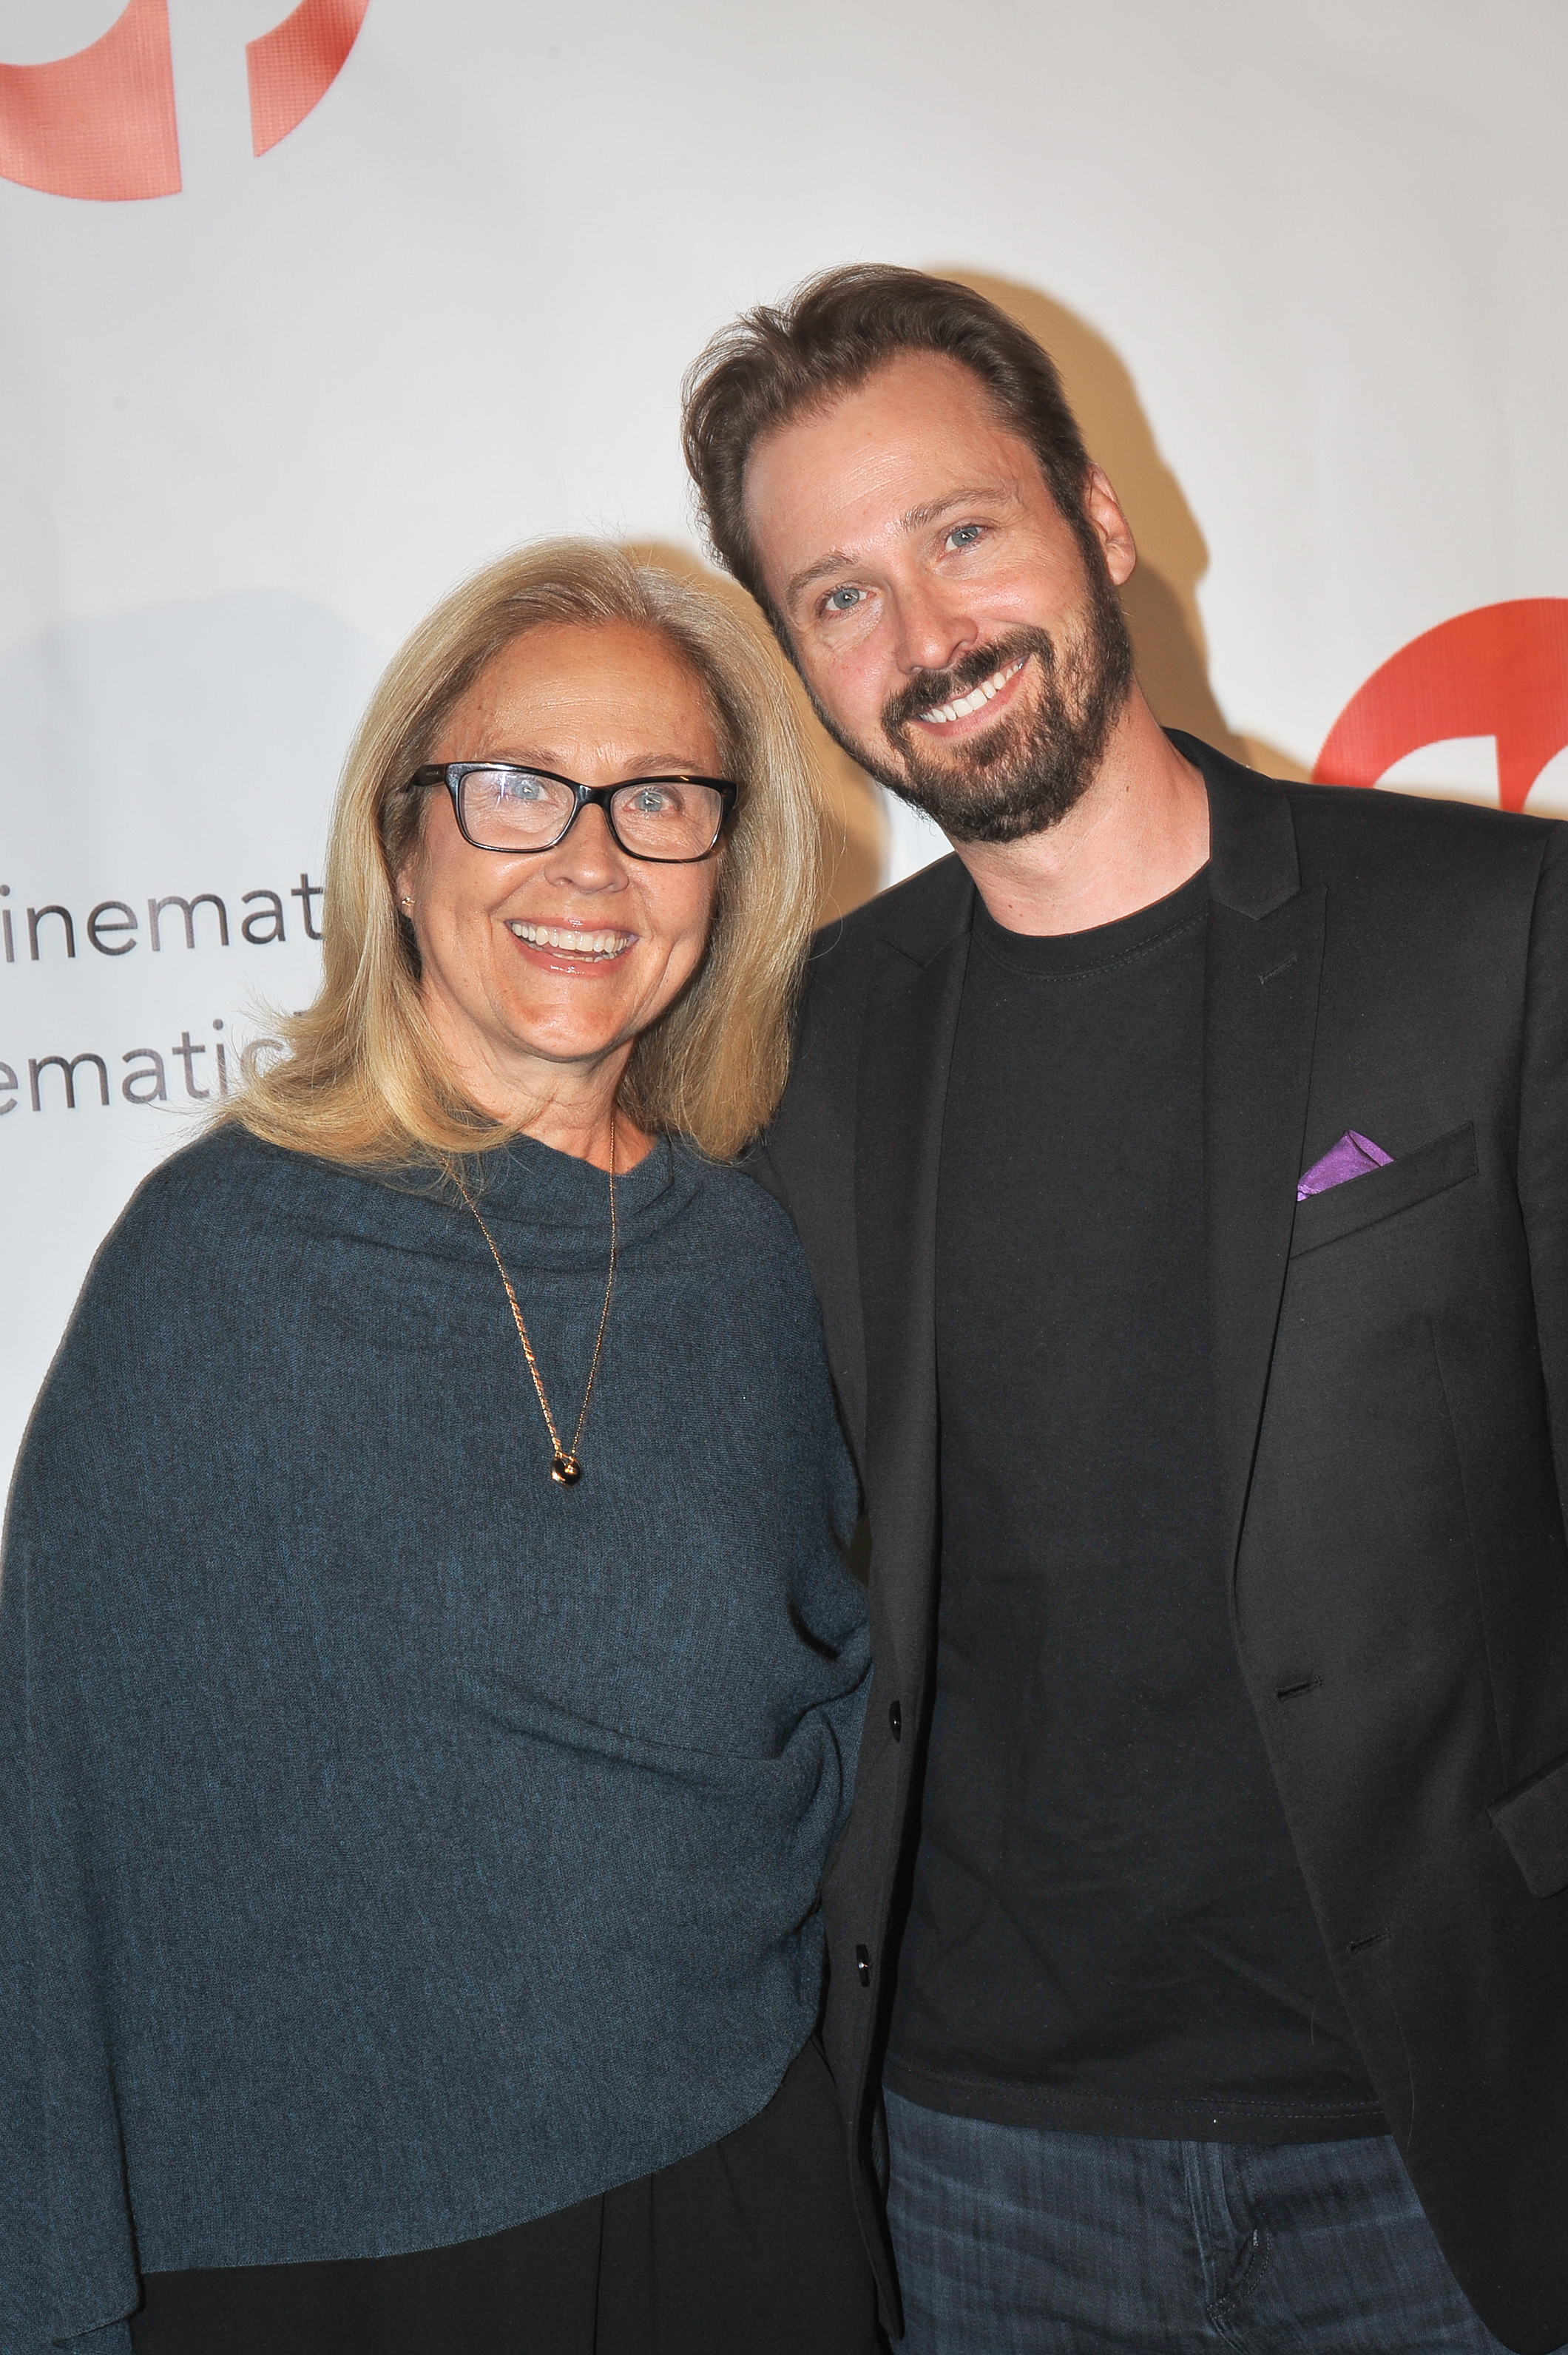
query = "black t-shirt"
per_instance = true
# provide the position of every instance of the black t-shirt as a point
(1109, 1930)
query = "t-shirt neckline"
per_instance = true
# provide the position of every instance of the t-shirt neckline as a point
(1044, 954)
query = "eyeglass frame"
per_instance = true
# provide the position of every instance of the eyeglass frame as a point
(451, 774)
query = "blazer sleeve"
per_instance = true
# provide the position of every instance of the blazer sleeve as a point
(1543, 1135)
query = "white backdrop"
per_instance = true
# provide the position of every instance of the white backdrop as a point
(1303, 262)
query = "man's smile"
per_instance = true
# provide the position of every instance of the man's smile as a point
(999, 685)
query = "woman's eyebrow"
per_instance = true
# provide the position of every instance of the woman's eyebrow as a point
(635, 764)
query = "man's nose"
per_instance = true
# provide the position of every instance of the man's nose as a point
(933, 631)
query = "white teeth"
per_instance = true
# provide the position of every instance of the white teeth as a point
(944, 713)
(553, 936)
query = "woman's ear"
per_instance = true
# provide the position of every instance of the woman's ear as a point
(405, 885)
(405, 904)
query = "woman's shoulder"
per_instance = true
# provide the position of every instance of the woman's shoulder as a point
(204, 1250)
(208, 1224)
(224, 1179)
(731, 1197)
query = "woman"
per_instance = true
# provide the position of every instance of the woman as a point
(432, 1682)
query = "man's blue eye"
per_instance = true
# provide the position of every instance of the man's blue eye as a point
(966, 535)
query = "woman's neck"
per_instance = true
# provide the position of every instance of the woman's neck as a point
(570, 1108)
(568, 1105)
(590, 1137)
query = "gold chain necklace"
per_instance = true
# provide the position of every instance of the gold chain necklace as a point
(565, 1470)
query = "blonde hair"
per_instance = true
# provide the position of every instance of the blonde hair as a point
(364, 1080)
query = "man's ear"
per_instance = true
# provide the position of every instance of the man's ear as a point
(1110, 526)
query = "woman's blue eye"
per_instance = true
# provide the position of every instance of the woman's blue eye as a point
(964, 536)
(843, 601)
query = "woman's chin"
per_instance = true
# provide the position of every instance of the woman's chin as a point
(576, 1033)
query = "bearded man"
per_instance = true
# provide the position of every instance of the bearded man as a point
(1183, 1165)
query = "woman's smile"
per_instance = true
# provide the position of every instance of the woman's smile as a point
(561, 949)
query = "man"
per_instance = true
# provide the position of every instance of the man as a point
(1184, 1168)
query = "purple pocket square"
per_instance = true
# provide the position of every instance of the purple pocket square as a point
(1351, 1158)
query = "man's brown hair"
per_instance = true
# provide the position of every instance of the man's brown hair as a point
(780, 360)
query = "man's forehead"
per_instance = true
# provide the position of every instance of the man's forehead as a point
(893, 455)
(909, 411)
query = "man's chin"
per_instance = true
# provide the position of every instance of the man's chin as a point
(972, 802)
(949, 775)
(961, 792)
(972, 814)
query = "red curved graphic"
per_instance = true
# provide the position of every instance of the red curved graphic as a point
(292, 66)
(1500, 671)
(100, 124)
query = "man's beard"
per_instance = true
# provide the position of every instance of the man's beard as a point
(1024, 773)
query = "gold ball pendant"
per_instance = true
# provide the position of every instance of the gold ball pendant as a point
(565, 1471)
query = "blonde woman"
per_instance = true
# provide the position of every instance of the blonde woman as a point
(430, 1679)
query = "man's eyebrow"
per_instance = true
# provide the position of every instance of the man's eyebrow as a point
(916, 518)
(835, 562)
(913, 519)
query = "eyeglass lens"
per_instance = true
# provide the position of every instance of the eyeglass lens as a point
(658, 817)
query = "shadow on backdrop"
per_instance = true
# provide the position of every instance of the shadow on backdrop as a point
(158, 741)
(1161, 599)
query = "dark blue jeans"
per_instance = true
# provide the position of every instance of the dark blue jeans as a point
(1013, 2240)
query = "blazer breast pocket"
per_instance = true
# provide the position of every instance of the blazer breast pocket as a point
(1414, 1178)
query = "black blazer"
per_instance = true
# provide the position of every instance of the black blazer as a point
(1391, 1375)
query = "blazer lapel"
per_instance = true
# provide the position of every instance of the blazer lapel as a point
(1265, 957)
(912, 1019)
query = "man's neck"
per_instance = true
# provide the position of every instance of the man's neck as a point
(1138, 832)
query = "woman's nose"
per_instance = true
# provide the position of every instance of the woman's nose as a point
(588, 858)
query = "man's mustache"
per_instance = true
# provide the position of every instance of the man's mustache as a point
(933, 687)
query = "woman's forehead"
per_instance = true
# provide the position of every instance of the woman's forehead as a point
(561, 686)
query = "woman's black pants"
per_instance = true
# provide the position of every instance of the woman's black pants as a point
(749, 2248)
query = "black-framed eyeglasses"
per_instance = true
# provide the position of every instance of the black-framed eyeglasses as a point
(500, 806)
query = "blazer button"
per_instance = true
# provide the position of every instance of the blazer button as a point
(863, 1965)
(895, 1719)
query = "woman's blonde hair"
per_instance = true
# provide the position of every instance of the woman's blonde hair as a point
(364, 1080)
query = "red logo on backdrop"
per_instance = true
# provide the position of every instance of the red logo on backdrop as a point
(101, 124)
(292, 66)
(1502, 671)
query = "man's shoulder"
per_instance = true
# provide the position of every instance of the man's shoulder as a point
(919, 916)
(1446, 887)
(1415, 845)
(1336, 819)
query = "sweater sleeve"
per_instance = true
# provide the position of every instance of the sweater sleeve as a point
(68, 2273)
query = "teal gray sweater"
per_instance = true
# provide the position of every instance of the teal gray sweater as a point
(395, 1846)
